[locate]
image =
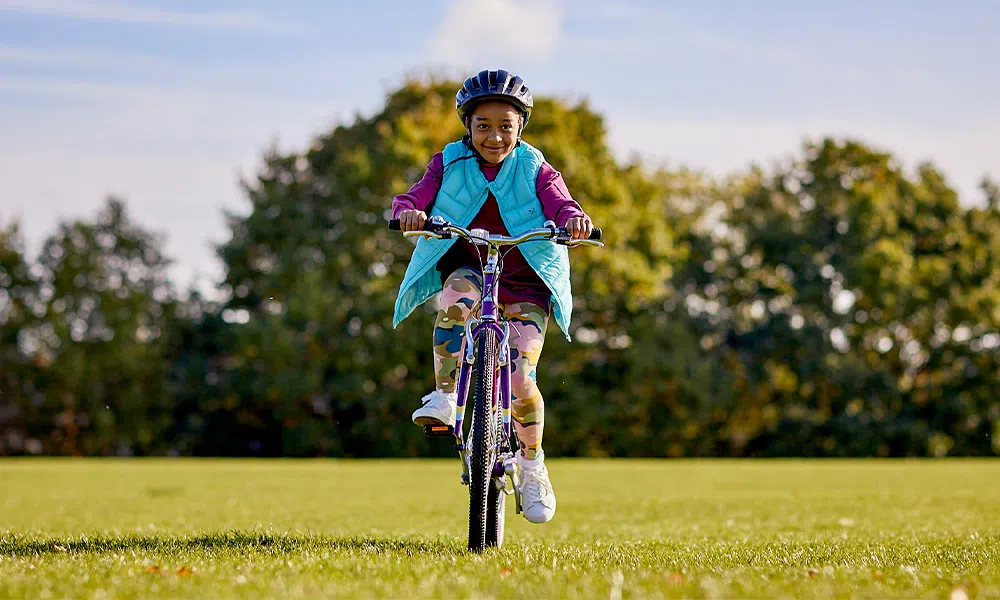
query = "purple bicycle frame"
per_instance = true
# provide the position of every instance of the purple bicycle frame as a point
(489, 318)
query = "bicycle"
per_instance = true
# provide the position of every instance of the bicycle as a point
(488, 459)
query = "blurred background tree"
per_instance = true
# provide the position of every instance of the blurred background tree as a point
(92, 314)
(830, 306)
(18, 287)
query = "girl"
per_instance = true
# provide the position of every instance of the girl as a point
(508, 188)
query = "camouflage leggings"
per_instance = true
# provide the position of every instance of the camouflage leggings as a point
(462, 291)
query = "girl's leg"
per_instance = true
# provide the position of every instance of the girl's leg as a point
(528, 322)
(462, 291)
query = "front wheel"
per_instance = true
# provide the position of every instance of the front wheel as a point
(482, 441)
(496, 504)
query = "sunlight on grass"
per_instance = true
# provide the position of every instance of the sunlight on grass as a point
(302, 529)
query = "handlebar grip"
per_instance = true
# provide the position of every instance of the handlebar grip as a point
(595, 234)
(394, 224)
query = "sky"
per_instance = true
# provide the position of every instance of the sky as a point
(169, 104)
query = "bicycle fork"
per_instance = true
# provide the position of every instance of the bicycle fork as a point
(507, 465)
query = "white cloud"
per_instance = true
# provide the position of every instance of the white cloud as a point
(115, 92)
(963, 154)
(129, 13)
(107, 74)
(496, 29)
(75, 57)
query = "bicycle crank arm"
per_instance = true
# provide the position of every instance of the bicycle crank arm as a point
(510, 468)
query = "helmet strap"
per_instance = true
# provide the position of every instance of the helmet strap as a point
(467, 140)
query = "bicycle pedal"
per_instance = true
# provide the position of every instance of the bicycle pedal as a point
(439, 430)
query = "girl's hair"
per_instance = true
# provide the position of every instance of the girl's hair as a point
(475, 154)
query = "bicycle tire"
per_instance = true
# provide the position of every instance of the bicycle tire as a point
(482, 440)
(495, 517)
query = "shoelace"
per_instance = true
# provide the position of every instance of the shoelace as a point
(533, 488)
(533, 483)
(430, 397)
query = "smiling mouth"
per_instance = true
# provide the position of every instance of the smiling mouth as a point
(493, 149)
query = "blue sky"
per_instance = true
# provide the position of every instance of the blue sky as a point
(168, 103)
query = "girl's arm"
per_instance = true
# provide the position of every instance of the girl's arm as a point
(557, 203)
(421, 195)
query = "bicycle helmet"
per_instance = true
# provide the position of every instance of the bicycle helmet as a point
(493, 85)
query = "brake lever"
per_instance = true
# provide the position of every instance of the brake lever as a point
(444, 235)
(571, 243)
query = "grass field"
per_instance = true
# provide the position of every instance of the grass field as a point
(396, 529)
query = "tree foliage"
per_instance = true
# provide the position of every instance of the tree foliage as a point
(91, 313)
(834, 305)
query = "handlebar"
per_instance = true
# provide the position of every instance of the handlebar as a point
(439, 228)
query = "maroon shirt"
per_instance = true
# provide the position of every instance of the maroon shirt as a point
(518, 281)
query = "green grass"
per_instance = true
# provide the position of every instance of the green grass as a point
(633, 529)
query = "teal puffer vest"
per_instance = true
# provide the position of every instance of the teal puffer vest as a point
(464, 190)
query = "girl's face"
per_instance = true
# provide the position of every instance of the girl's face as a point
(494, 127)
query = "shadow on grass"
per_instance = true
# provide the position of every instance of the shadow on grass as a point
(228, 542)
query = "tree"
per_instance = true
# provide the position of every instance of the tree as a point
(103, 303)
(742, 317)
(18, 291)
(315, 270)
(834, 305)
(851, 281)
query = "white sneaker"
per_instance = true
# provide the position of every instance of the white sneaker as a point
(538, 501)
(438, 409)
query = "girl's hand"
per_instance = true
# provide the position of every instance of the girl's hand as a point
(412, 220)
(579, 227)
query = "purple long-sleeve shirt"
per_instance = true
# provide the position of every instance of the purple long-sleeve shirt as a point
(518, 281)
